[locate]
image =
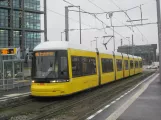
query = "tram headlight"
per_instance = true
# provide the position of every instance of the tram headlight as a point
(59, 81)
(33, 81)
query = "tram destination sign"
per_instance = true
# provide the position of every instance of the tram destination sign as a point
(8, 51)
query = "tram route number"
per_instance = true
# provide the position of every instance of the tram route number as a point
(44, 54)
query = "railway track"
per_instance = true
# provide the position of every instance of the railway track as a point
(12, 103)
(115, 90)
(105, 100)
(40, 110)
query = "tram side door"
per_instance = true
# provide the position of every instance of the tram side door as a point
(99, 70)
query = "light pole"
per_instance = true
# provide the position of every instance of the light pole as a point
(132, 44)
(110, 16)
(159, 34)
(93, 41)
(62, 35)
(121, 42)
(128, 38)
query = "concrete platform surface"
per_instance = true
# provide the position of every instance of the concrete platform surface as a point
(14, 92)
(147, 106)
(143, 102)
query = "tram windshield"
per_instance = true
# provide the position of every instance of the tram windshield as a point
(50, 65)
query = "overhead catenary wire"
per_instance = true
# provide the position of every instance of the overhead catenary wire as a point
(100, 13)
(129, 26)
(125, 11)
(129, 19)
(91, 27)
(110, 12)
(97, 19)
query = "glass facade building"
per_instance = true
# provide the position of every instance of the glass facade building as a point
(20, 23)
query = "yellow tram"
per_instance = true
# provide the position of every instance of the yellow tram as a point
(60, 68)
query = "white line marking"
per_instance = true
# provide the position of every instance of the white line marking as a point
(121, 96)
(113, 102)
(122, 109)
(118, 99)
(92, 116)
(107, 106)
(13, 96)
(99, 111)
(128, 91)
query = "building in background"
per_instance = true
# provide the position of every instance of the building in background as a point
(20, 23)
(147, 52)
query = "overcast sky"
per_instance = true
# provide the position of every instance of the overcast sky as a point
(56, 22)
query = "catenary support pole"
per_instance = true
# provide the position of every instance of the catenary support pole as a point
(66, 24)
(114, 38)
(80, 25)
(159, 34)
(45, 20)
(96, 42)
(132, 44)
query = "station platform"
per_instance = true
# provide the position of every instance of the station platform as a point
(143, 102)
(14, 93)
(147, 106)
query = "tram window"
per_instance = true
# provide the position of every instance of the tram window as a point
(131, 64)
(93, 65)
(85, 68)
(119, 65)
(107, 65)
(88, 66)
(126, 65)
(76, 66)
(82, 66)
(63, 67)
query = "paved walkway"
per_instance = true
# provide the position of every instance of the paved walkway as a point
(143, 102)
(147, 106)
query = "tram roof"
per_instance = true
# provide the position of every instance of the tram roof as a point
(60, 45)
(139, 57)
(125, 55)
(64, 45)
(105, 51)
(136, 57)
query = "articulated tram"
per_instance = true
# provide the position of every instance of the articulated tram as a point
(60, 68)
